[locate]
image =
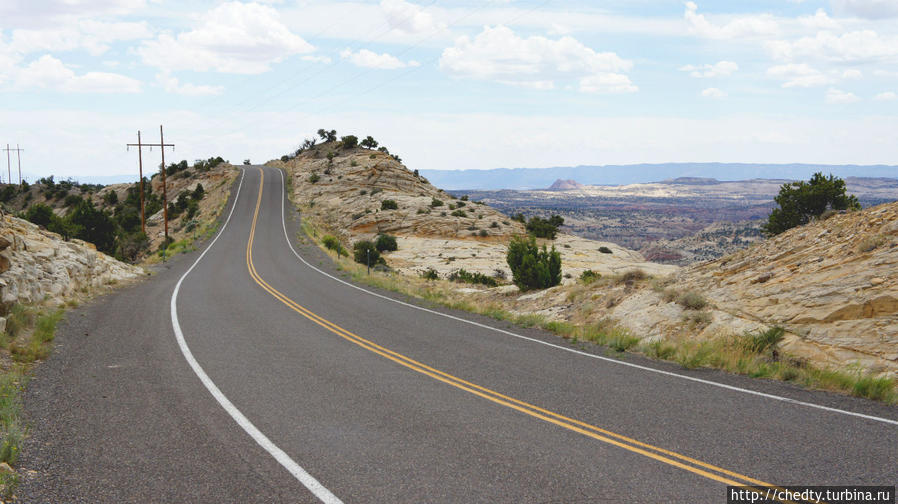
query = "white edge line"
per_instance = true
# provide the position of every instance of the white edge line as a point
(295, 469)
(593, 356)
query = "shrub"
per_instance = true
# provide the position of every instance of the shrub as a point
(605, 250)
(369, 143)
(350, 141)
(430, 274)
(332, 243)
(544, 228)
(692, 301)
(110, 198)
(459, 213)
(759, 342)
(799, 202)
(388, 204)
(472, 278)
(532, 267)
(483, 233)
(589, 276)
(40, 214)
(494, 225)
(314, 178)
(365, 250)
(386, 243)
(198, 193)
(633, 276)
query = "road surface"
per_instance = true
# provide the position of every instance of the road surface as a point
(255, 373)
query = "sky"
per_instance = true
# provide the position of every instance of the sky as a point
(450, 84)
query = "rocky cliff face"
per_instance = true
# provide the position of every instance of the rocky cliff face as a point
(36, 265)
(833, 284)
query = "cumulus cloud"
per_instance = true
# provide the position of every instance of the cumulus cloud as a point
(886, 96)
(870, 9)
(714, 93)
(370, 59)
(48, 72)
(738, 27)
(499, 55)
(410, 19)
(719, 69)
(171, 84)
(838, 97)
(232, 38)
(799, 75)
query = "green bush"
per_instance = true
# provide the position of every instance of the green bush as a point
(388, 204)
(761, 341)
(472, 278)
(799, 202)
(589, 276)
(435, 203)
(605, 250)
(314, 178)
(350, 141)
(332, 243)
(532, 267)
(544, 228)
(386, 243)
(459, 213)
(365, 250)
(430, 274)
(40, 214)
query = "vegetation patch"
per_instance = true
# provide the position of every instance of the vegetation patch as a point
(464, 276)
(532, 267)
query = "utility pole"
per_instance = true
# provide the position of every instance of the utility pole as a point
(162, 145)
(143, 219)
(19, 159)
(8, 169)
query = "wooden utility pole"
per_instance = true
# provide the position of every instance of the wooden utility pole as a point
(8, 169)
(162, 145)
(143, 218)
(19, 159)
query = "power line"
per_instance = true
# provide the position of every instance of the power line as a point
(9, 164)
(162, 145)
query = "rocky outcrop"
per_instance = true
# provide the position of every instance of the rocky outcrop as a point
(38, 265)
(344, 191)
(832, 283)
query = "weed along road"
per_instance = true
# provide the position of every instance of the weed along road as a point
(250, 371)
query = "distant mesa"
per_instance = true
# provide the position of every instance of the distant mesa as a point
(565, 185)
(692, 181)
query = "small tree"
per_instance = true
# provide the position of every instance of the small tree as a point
(388, 204)
(365, 250)
(350, 141)
(532, 267)
(369, 142)
(39, 214)
(386, 243)
(799, 202)
(544, 228)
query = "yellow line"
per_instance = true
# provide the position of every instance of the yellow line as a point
(586, 429)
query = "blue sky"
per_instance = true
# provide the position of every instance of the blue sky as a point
(452, 84)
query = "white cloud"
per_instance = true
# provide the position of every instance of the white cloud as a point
(798, 75)
(232, 38)
(852, 73)
(886, 96)
(50, 13)
(738, 27)
(171, 84)
(860, 46)
(370, 59)
(50, 73)
(93, 36)
(820, 21)
(714, 93)
(408, 18)
(607, 83)
(838, 97)
(499, 55)
(870, 9)
(719, 69)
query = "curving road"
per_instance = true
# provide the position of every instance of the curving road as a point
(254, 373)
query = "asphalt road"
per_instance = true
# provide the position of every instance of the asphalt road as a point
(280, 383)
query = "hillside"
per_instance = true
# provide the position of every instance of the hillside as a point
(346, 194)
(196, 195)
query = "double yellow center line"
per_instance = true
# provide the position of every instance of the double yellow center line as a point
(660, 454)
